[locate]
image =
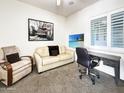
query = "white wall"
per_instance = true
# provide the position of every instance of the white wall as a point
(80, 23)
(14, 26)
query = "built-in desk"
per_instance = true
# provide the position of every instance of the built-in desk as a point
(109, 59)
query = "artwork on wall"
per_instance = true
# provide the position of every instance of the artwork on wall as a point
(40, 30)
(76, 40)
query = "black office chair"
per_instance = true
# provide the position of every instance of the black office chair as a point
(89, 62)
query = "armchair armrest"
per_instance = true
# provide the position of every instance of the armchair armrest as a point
(29, 57)
(6, 69)
(2, 64)
(2, 61)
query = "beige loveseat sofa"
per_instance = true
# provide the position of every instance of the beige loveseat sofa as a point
(45, 62)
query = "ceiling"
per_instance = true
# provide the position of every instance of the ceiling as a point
(66, 8)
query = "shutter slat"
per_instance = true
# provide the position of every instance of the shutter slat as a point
(99, 31)
(117, 27)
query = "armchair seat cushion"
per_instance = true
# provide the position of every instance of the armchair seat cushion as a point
(64, 56)
(50, 59)
(21, 69)
(20, 64)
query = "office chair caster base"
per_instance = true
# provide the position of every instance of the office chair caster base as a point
(93, 80)
(98, 76)
(80, 76)
(79, 70)
(93, 83)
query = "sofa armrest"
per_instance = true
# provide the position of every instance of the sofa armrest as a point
(28, 58)
(69, 51)
(39, 61)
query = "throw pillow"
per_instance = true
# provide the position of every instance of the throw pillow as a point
(12, 58)
(53, 50)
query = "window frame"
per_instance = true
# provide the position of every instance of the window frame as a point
(109, 42)
(98, 33)
(121, 28)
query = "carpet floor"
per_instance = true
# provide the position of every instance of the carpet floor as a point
(64, 79)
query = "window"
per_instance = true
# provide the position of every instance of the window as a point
(117, 30)
(99, 31)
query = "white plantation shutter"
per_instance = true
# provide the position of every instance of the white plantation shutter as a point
(99, 31)
(117, 26)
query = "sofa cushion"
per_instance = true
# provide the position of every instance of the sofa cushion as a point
(20, 64)
(53, 50)
(42, 51)
(12, 58)
(62, 49)
(50, 60)
(64, 56)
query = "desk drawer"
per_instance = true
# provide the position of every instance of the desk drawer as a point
(111, 63)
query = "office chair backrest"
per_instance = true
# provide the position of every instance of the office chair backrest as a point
(83, 57)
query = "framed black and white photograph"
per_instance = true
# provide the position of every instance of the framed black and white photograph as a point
(40, 30)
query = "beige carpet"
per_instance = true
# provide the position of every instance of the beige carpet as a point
(62, 80)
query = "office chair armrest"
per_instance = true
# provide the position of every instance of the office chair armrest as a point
(95, 60)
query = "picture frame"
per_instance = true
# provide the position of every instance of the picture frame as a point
(40, 30)
(76, 40)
